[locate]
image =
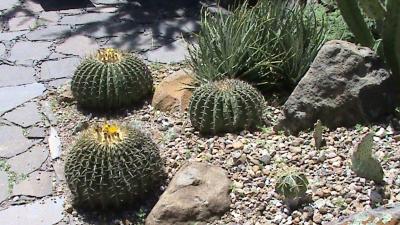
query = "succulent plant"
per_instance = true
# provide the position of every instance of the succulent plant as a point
(225, 106)
(291, 184)
(317, 134)
(111, 79)
(364, 164)
(112, 166)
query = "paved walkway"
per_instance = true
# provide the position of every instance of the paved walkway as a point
(40, 46)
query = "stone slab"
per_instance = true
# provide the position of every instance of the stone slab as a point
(12, 141)
(4, 194)
(26, 52)
(135, 42)
(58, 167)
(2, 49)
(16, 75)
(38, 184)
(59, 82)
(29, 161)
(22, 23)
(59, 69)
(11, 97)
(8, 36)
(25, 116)
(87, 18)
(36, 133)
(78, 45)
(48, 211)
(49, 33)
(171, 53)
(33, 6)
(8, 4)
(49, 18)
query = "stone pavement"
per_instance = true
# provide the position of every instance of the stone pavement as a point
(39, 50)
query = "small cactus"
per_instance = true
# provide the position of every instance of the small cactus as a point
(317, 134)
(226, 106)
(292, 185)
(364, 164)
(111, 79)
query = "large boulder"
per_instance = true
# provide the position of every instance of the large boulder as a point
(173, 93)
(198, 193)
(386, 215)
(345, 85)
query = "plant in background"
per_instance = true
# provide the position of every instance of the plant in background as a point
(387, 18)
(364, 164)
(270, 45)
(226, 106)
(112, 166)
(111, 79)
(292, 185)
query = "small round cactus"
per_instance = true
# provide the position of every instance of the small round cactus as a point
(111, 79)
(226, 106)
(291, 184)
(112, 166)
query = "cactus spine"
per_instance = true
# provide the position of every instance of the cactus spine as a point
(364, 164)
(390, 36)
(225, 106)
(292, 185)
(112, 166)
(111, 79)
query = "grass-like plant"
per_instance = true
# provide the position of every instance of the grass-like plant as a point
(270, 45)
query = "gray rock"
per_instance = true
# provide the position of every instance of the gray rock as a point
(2, 49)
(59, 69)
(33, 6)
(48, 211)
(16, 75)
(49, 18)
(49, 33)
(86, 18)
(12, 141)
(59, 82)
(29, 161)
(20, 95)
(8, 36)
(171, 53)
(36, 133)
(198, 192)
(58, 167)
(54, 144)
(4, 194)
(8, 4)
(47, 111)
(78, 45)
(345, 85)
(38, 184)
(26, 52)
(21, 23)
(25, 116)
(385, 215)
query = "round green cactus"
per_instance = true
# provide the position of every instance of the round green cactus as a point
(225, 106)
(111, 79)
(112, 166)
(291, 184)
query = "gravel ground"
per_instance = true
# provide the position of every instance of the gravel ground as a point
(253, 159)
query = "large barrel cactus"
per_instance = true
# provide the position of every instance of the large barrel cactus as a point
(225, 106)
(112, 166)
(111, 79)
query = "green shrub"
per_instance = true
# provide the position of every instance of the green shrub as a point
(112, 166)
(111, 79)
(270, 45)
(225, 106)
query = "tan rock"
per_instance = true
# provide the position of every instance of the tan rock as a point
(198, 193)
(172, 92)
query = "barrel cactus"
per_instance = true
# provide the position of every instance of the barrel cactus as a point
(292, 185)
(112, 166)
(225, 106)
(111, 79)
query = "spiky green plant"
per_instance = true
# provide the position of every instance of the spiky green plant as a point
(111, 79)
(270, 45)
(387, 17)
(112, 166)
(291, 184)
(225, 106)
(364, 164)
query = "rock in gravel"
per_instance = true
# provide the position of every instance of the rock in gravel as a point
(345, 85)
(198, 192)
(172, 92)
(385, 215)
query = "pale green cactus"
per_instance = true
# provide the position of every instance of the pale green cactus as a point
(364, 164)
(317, 134)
